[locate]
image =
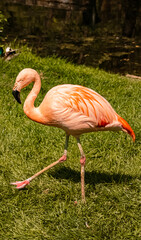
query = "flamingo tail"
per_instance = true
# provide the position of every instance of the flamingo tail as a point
(126, 127)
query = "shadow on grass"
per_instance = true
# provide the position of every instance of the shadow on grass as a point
(92, 177)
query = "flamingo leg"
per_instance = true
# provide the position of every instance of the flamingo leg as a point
(82, 162)
(22, 184)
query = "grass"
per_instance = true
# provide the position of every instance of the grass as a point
(46, 209)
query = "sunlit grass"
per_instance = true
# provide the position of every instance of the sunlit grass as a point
(46, 209)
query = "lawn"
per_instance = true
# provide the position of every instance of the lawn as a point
(50, 207)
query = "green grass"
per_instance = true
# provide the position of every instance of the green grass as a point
(46, 209)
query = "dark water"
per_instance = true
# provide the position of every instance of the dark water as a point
(48, 33)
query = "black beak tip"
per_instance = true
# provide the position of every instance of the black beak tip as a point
(16, 95)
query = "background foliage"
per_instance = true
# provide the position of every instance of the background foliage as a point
(50, 207)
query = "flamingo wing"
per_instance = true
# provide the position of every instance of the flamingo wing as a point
(79, 109)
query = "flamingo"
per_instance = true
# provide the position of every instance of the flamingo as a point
(73, 108)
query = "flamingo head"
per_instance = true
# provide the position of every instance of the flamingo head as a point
(24, 78)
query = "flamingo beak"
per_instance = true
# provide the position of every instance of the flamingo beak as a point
(16, 95)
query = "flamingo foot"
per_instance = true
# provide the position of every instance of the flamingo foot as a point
(21, 184)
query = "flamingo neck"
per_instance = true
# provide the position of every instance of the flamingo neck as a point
(29, 109)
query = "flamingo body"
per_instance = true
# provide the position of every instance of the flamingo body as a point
(77, 110)
(73, 108)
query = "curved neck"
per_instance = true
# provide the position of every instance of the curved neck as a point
(29, 108)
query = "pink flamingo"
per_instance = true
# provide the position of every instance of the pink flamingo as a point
(73, 108)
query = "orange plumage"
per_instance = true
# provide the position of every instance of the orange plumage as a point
(73, 108)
